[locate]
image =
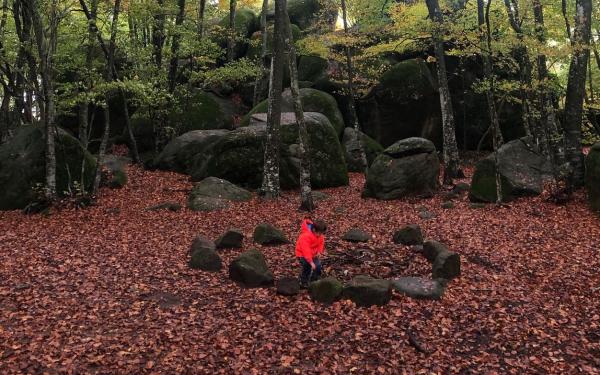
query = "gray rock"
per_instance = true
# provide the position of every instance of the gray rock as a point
(250, 269)
(178, 154)
(366, 291)
(288, 286)
(201, 242)
(356, 235)
(445, 263)
(409, 235)
(170, 206)
(327, 290)
(206, 204)
(205, 259)
(408, 167)
(523, 172)
(426, 215)
(218, 188)
(352, 149)
(420, 287)
(461, 187)
(447, 205)
(267, 234)
(232, 239)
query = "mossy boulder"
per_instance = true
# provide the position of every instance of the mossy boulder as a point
(523, 171)
(232, 239)
(404, 104)
(246, 23)
(219, 188)
(408, 167)
(250, 269)
(366, 291)
(327, 290)
(306, 13)
(312, 101)
(352, 150)
(592, 177)
(238, 156)
(178, 154)
(409, 235)
(206, 260)
(312, 68)
(267, 234)
(200, 110)
(22, 165)
(445, 263)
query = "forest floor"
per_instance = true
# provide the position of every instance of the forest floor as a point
(107, 290)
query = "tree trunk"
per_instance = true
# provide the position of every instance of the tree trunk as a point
(46, 42)
(158, 34)
(102, 149)
(349, 68)
(175, 45)
(258, 86)
(232, 33)
(576, 90)
(451, 158)
(552, 139)
(566, 17)
(486, 47)
(307, 202)
(270, 184)
(201, 9)
(84, 106)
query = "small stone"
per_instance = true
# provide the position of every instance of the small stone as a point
(356, 235)
(476, 205)
(201, 242)
(426, 215)
(206, 260)
(327, 290)
(409, 235)
(170, 206)
(461, 187)
(366, 291)
(448, 205)
(445, 263)
(232, 239)
(420, 287)
(288, 286)
(250, 269)
(267, 234)
(450, 196)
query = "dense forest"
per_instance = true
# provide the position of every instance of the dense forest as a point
(445, 153)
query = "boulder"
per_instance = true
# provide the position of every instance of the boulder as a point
(409, 235)
(445, 263)
(592, 176)
(312, 101)
(22, 166)
(288, 286)
(312, 68)
(201, 110)
(366, 291)
(327, 290)
(408, 167)
(219, 188)
(246, 23)
(356, 235)
(404, 104)
(250, 269)
(239, 155)
(306, 13)
(420, 287)
(523, 172)
(461, 187)
(201, 242)
(352, 149)
(177, 155)
(202, 203)
(206, 259)
(447, 205)
(267, 234)
(232, 239)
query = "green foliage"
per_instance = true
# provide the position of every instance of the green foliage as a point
(232, 74)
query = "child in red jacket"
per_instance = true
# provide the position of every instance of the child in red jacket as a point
(310, 244)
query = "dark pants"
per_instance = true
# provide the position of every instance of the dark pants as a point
(305, 274)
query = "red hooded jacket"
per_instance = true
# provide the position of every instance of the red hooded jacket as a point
(309, 244)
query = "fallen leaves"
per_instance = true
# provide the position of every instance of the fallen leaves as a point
(107, 289)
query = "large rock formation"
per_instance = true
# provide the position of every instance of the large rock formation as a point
(408, 167)
(238, 155)
(592, 176)
(352, 149)
(22, 166)
(404, 104)
(523, 171)
(312, 101)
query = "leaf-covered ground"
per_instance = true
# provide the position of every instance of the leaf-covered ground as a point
(108, 290)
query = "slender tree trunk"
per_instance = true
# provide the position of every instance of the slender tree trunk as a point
(350, 69)
(304, 149)
(576, 90)
(158, 34)
(5, 119)
(486, 46)
(232, 33)
(45, 41)
(591, 81)
(102, 149)
(201, 10)
(175, 45)
(451, 158)
(84, 106)
(270, 184)
(258, 86)
(566, 17)
(552, 141)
